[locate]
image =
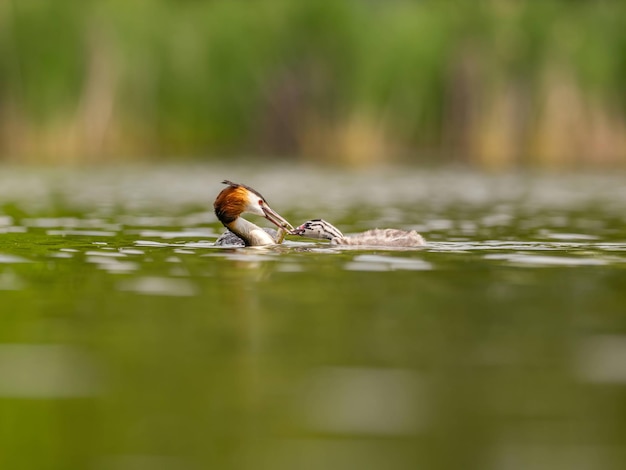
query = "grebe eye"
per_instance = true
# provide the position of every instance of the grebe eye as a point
(260, 202)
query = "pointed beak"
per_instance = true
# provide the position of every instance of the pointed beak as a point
(276, 218)
(297, 231)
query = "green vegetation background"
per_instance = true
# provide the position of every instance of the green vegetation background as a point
(494, 83)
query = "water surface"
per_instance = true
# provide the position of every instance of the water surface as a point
(128, 341)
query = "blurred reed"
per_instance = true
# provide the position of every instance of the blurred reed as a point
(497, 84)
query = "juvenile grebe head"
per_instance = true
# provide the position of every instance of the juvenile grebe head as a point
(236, 199)
(317, 228)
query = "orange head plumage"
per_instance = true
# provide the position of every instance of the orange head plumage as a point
(236, 199)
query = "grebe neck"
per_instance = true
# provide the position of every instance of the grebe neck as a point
(251, 234)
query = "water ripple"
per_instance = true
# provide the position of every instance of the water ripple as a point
(162, 286)
(386, 263)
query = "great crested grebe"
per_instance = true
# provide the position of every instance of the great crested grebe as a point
(236, 199)
(318, 228)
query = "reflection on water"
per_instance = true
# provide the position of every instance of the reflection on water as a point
(358, 401)
(45, 371)
(602, 358)
(129, 341)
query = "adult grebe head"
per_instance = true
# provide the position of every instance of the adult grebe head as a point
(236, 199)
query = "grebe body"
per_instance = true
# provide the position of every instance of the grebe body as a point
(318, 228)
(228, 238)
(237, 199)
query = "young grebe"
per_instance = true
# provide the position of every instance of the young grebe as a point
(319, 228)
(236, 199)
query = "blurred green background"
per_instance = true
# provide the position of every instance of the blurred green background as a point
(497, 84)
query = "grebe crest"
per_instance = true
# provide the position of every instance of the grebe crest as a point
(318, 228)
(236, 199)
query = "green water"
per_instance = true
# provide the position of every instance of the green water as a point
(127, 341)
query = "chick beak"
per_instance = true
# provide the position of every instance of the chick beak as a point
(297, 231)
(276, 218)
